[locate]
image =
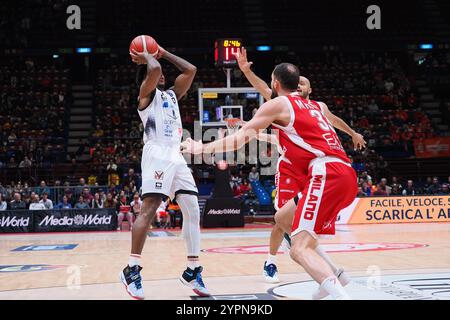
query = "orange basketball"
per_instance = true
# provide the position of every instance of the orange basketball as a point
(144, 43)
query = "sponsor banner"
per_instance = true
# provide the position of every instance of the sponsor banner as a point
(432, 148)
(75, 220)
(223, 213)
(374, 210)
(51, 247)
(16, 221)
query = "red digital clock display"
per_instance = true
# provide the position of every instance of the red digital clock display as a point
(224, 50)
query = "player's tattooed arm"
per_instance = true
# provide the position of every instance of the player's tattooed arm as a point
(151, 79)
(269, 112)
(358, 140)
(184, 81)
(255, 81)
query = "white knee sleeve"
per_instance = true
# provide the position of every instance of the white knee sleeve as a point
(191, 222)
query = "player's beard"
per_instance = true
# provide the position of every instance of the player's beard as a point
(304, 95)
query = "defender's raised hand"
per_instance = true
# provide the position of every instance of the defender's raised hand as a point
(358, 141)
(241, 57)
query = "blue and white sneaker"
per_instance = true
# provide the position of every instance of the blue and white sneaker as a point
(270, 273)
(193, 279)
(131, 279)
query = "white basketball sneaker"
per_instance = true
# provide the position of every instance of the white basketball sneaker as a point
(343, 278)
(131, 279)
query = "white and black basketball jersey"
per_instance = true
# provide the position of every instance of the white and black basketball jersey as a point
(161, 119)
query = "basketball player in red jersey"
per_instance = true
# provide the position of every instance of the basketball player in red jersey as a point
(287, 181)
(309, 139)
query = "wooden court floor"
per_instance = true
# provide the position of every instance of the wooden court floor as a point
(388, 255)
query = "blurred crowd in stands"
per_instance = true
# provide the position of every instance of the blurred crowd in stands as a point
(32, 114)
(371, 93)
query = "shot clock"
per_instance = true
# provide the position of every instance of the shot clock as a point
(224, 50)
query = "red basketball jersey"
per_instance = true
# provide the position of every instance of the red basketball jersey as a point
(309, 135)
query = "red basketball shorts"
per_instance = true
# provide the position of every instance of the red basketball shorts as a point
(331, 186)
(288, 184)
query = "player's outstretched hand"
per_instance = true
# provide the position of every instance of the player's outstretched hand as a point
(139, 57)
(241, 57)
(192, 146)
(358, 141)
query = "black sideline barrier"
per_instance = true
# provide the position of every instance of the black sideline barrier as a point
(68, 220)
(223, 213)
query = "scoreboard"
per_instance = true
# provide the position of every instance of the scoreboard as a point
(224, 50)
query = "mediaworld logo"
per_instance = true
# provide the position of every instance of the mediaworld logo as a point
(224, 211)
(14, 221)
(78, 220)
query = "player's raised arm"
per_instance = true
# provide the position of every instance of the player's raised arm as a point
(255, 81)
(269, 112)
(358, 140)
(184, 81)
(151, 79)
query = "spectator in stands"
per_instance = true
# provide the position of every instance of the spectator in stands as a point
(3, 190)
(361, 193)
(365, 187)
(35, 204)
(17, 203)
(97, 202)
(427, 184)
(243, 189)
(3, 204)
(113, 189)
(162, 215)
(136, 205)
(130, 177)
(253, 175)
(26, 163)
(410, 189)
(380, 190)
(395, 181)
(444, 190)
(395, 191)
(435, 187)
(48, 204)
(81, 204)
(26, 197)
(102, 195)
(79, 189)
(388, 85)
(110, 202)
(366, 177)
(64, 204)
(124, 210)
(174, 210)
(385, 186)
(42, 188)
(234, 181)
(86, 194)
(111, 169)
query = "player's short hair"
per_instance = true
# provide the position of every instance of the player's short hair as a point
(288, 75)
